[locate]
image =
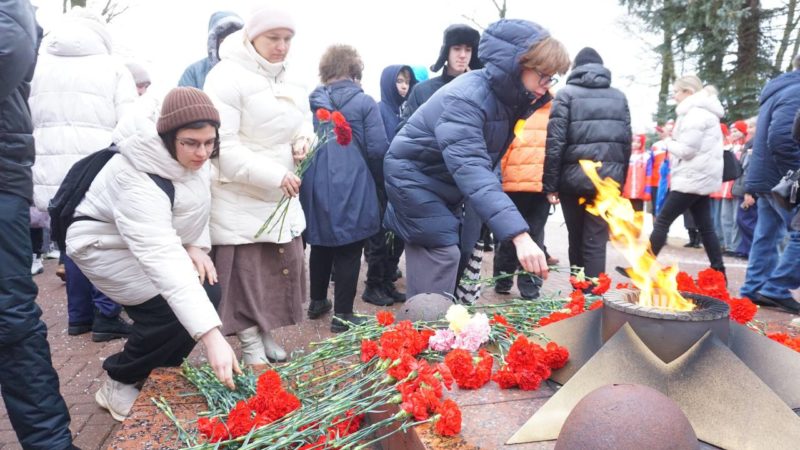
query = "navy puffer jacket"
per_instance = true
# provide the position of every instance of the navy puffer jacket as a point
(338, 193)
(774, 150)
(588, 120)
(391, 100)
(17, 60)
(445, 154)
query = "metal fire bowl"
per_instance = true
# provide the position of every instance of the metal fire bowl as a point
(668, 334)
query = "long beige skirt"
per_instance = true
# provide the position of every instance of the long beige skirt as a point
(262, 284)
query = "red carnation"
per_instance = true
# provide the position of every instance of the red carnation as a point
(597, 304)
(449, 422)
(554, 317)
(385, 318)
(505, 378)
(555, 356)
(323, 115)
(742, 310)
(579, 284)
(603, 284)
(369, 349)
(344, 134)
(465, 372)
(213, 429)
(338, 118)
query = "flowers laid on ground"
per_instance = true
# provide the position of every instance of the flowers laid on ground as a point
(270, 403)
(465, 331)
(319, 400)
(331, 124)
(712, 284)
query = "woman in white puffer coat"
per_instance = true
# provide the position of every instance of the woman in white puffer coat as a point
(78, 94)
(695, 154)
(147, 253)
(266, 128)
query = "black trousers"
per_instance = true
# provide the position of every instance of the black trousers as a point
(345, 261)
(157, 339)
(678, 203)
(383, 257)
(588, 236)
(37, 240)
(28, 382)
(535, 209)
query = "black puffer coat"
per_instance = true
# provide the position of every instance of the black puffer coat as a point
(17, 60)
(588, 120)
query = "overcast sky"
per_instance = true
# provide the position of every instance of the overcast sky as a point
(167, 35)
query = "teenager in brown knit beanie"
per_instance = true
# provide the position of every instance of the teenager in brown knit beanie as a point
(153, 201)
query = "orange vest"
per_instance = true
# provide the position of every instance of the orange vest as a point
(522, 166)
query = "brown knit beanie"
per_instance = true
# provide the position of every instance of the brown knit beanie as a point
(184, 105)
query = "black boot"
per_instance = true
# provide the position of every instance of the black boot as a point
(697, 242)
(342, 322)
(105, 328)
(692, 238)
(75, 329)
(318, 308)
(376, 295)
(391, 291)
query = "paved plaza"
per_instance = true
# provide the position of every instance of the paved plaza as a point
(78, 360)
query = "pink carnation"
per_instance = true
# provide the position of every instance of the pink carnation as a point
(442, 341)
(474, 333)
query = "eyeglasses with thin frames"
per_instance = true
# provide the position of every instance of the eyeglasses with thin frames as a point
(546, 81)
(195, 145)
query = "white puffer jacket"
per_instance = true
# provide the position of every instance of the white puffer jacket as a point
(78, 94)
(696, 149)
(263, 112)
(135, 250)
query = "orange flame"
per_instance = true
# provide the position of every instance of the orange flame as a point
(658, 285)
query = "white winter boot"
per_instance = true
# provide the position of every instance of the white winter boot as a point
(274, 352)
(36, 266)
(252, 347)
(117, 398)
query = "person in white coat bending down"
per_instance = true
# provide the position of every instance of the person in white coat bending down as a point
(146, 248)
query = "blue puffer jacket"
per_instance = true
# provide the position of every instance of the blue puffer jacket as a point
(338, 193)
(17, 60)
(774, 150)
(220, 25)
(390, 98)
(445, 153)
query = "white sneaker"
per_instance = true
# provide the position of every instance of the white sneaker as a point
(37, 267)
(117, 398)
(252, 347)
(274, 352)
(52, 254)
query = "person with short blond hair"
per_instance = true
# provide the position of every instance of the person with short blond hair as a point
(446, 154)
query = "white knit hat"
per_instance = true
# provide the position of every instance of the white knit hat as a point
(268, 17)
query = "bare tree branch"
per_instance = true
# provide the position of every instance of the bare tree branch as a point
(474, 22)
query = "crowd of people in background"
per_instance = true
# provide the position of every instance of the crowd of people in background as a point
(166, 229)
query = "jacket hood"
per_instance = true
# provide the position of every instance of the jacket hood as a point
(702, 100)
(779, 84)
(220, 25)
(389, 94)
(138, 141)
(334, 96)
(79, 36)
(591, 75)
(239, 49)
(501, 47)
